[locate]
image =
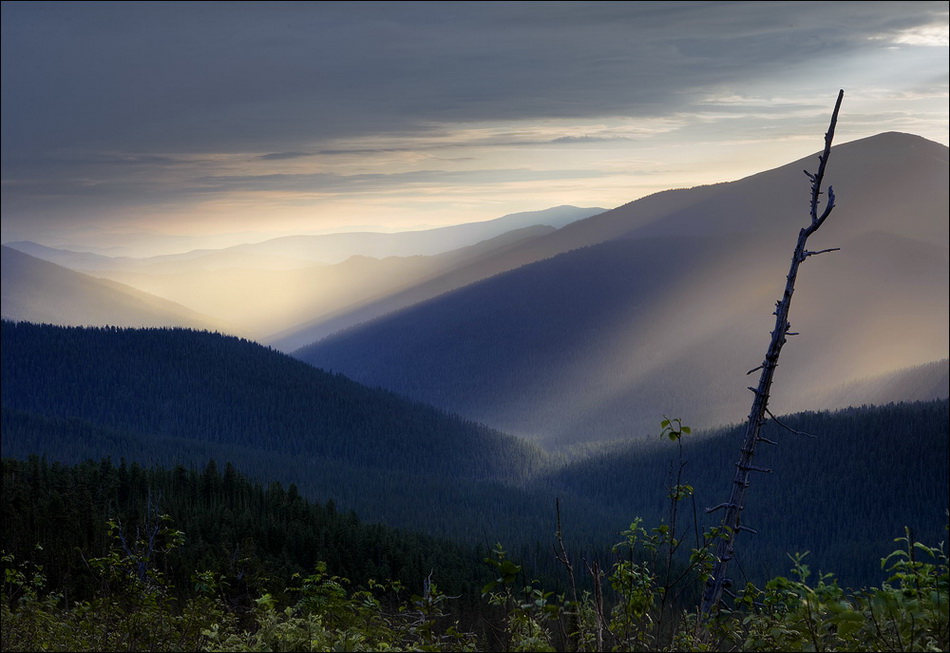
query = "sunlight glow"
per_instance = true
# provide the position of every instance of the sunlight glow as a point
(934, 35)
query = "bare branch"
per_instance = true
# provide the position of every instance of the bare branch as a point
(806, 253)
(753, 468)
(786, 427)
(819, 177)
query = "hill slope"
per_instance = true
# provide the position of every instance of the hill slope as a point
(290, 291)
(38, 291)
(867, 473)
(664, 305)
(170, 396)
(166, 396)
(214, 389)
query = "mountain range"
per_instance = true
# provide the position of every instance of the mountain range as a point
(291, 291)
(500, 382)
(573, 325)
(168, 397)
(662, 306)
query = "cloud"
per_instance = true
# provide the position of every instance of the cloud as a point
(933, 35)
(125, 104)
(282, 156)
(569, 140)
(333, 183)
(209, 77)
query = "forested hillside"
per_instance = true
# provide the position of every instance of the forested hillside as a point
(188, 560)
(174, 383)
(866, 471)
(167, 396)
(172, 397)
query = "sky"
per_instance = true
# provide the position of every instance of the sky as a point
(140, 128)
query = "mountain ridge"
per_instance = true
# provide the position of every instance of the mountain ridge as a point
(285, 296)
(39, 291)
(321, 248)
(711, 292)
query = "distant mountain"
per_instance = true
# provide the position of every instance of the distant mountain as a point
(63, 257)
(291, 291)
(38, 291)
(387, 291)
(291, 252)
(918, 383)
(265, 301)
(334, 248)
(661, 306)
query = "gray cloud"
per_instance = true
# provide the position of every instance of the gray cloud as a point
(282, 156)
(570, 140)
(323, 182)
(221, 76)
(152, 85)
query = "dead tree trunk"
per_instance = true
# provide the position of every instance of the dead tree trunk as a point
(731, 523)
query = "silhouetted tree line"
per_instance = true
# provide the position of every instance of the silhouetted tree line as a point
(252, 537)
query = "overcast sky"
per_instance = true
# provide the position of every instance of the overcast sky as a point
(170, 125)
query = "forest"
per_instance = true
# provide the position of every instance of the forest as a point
(144, 558)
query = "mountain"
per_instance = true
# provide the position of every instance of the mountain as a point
(176, 397)
(290, 252)
(294, 303)
(921, 382)
(334, 248)
(291, 291)
(168, 396)
(66, 258)
(440, 274)
(662, 305)
(39, 291)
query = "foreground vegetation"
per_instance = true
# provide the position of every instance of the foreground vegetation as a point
(146, 590)
(136, 610)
